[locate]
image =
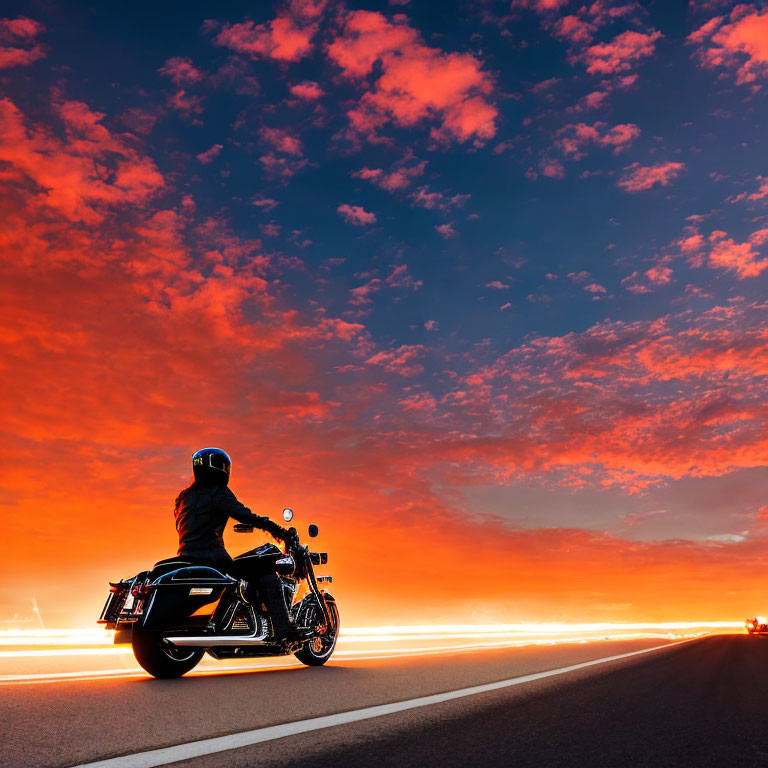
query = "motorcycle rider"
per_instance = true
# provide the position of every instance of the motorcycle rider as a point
(202, 511)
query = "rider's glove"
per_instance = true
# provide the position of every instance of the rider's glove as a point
(291, 537)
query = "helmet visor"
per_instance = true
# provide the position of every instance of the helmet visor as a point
(217, 461)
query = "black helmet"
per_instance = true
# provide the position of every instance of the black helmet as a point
(211, 466)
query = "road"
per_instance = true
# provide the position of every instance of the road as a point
(697, 703)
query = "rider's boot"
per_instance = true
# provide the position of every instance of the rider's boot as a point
(272, 591)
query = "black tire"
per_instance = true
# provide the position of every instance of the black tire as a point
(319, 648)
(160, 658)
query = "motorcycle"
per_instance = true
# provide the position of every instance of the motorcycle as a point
(176, 612)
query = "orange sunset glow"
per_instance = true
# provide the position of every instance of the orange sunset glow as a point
(498, 329)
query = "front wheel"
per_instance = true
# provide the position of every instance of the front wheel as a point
(319, 648)
(161, 658)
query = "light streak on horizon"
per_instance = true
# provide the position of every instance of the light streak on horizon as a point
(100, 637)
(499, 641)
(535, 628)
(372, 644)
(370, 654)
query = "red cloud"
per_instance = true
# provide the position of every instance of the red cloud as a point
(623, 403)
(210, 154)
(267, 203)
(640, 177)
(361, 296)
(541, 6)
(398, 278)
(421, 402)
(307, 90)
(414, 83)
(282, 140)
(399, 178)
(284, 157)
(356, 214)
(307, 10)
(579, 28)
(84, 176)
(705, 30)
(742, 258)
(760, 194)
(659, 275)
(16, 37)
(281, 166)
(401, 278)
(301, 406)
(633, 285)
(604, 11)
(741, 45)
(137, 295)
(404, 361)
(424, 197)
(287, 37)
(188, 104)
(551, 168)
(691, 244)
(181, 70)
(21, 28)
(573, 138)
(573, 29)
(620, 54)
(597, 99)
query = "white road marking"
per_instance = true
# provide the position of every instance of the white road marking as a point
(192, 749)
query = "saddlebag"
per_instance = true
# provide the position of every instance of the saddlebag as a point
(185, 598)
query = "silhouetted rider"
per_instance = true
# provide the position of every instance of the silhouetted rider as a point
(202, 511)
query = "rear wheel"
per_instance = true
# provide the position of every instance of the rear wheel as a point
(161, 658)
(319, 647)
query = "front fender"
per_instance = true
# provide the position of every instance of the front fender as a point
(302, 608)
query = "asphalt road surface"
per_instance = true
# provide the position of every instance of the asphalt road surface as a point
(697, 703)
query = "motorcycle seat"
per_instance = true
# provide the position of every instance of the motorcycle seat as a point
(168, 565)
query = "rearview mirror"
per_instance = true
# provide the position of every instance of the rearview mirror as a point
(287, 514)
(313, 530)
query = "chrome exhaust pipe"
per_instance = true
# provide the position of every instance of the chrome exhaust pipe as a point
(209, 641)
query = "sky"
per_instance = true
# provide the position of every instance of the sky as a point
(477, 287)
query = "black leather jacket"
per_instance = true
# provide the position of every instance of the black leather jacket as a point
(201, 516)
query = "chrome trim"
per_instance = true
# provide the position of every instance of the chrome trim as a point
(211, 641)
(149, 607)
(229, 623)
(229, 614)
